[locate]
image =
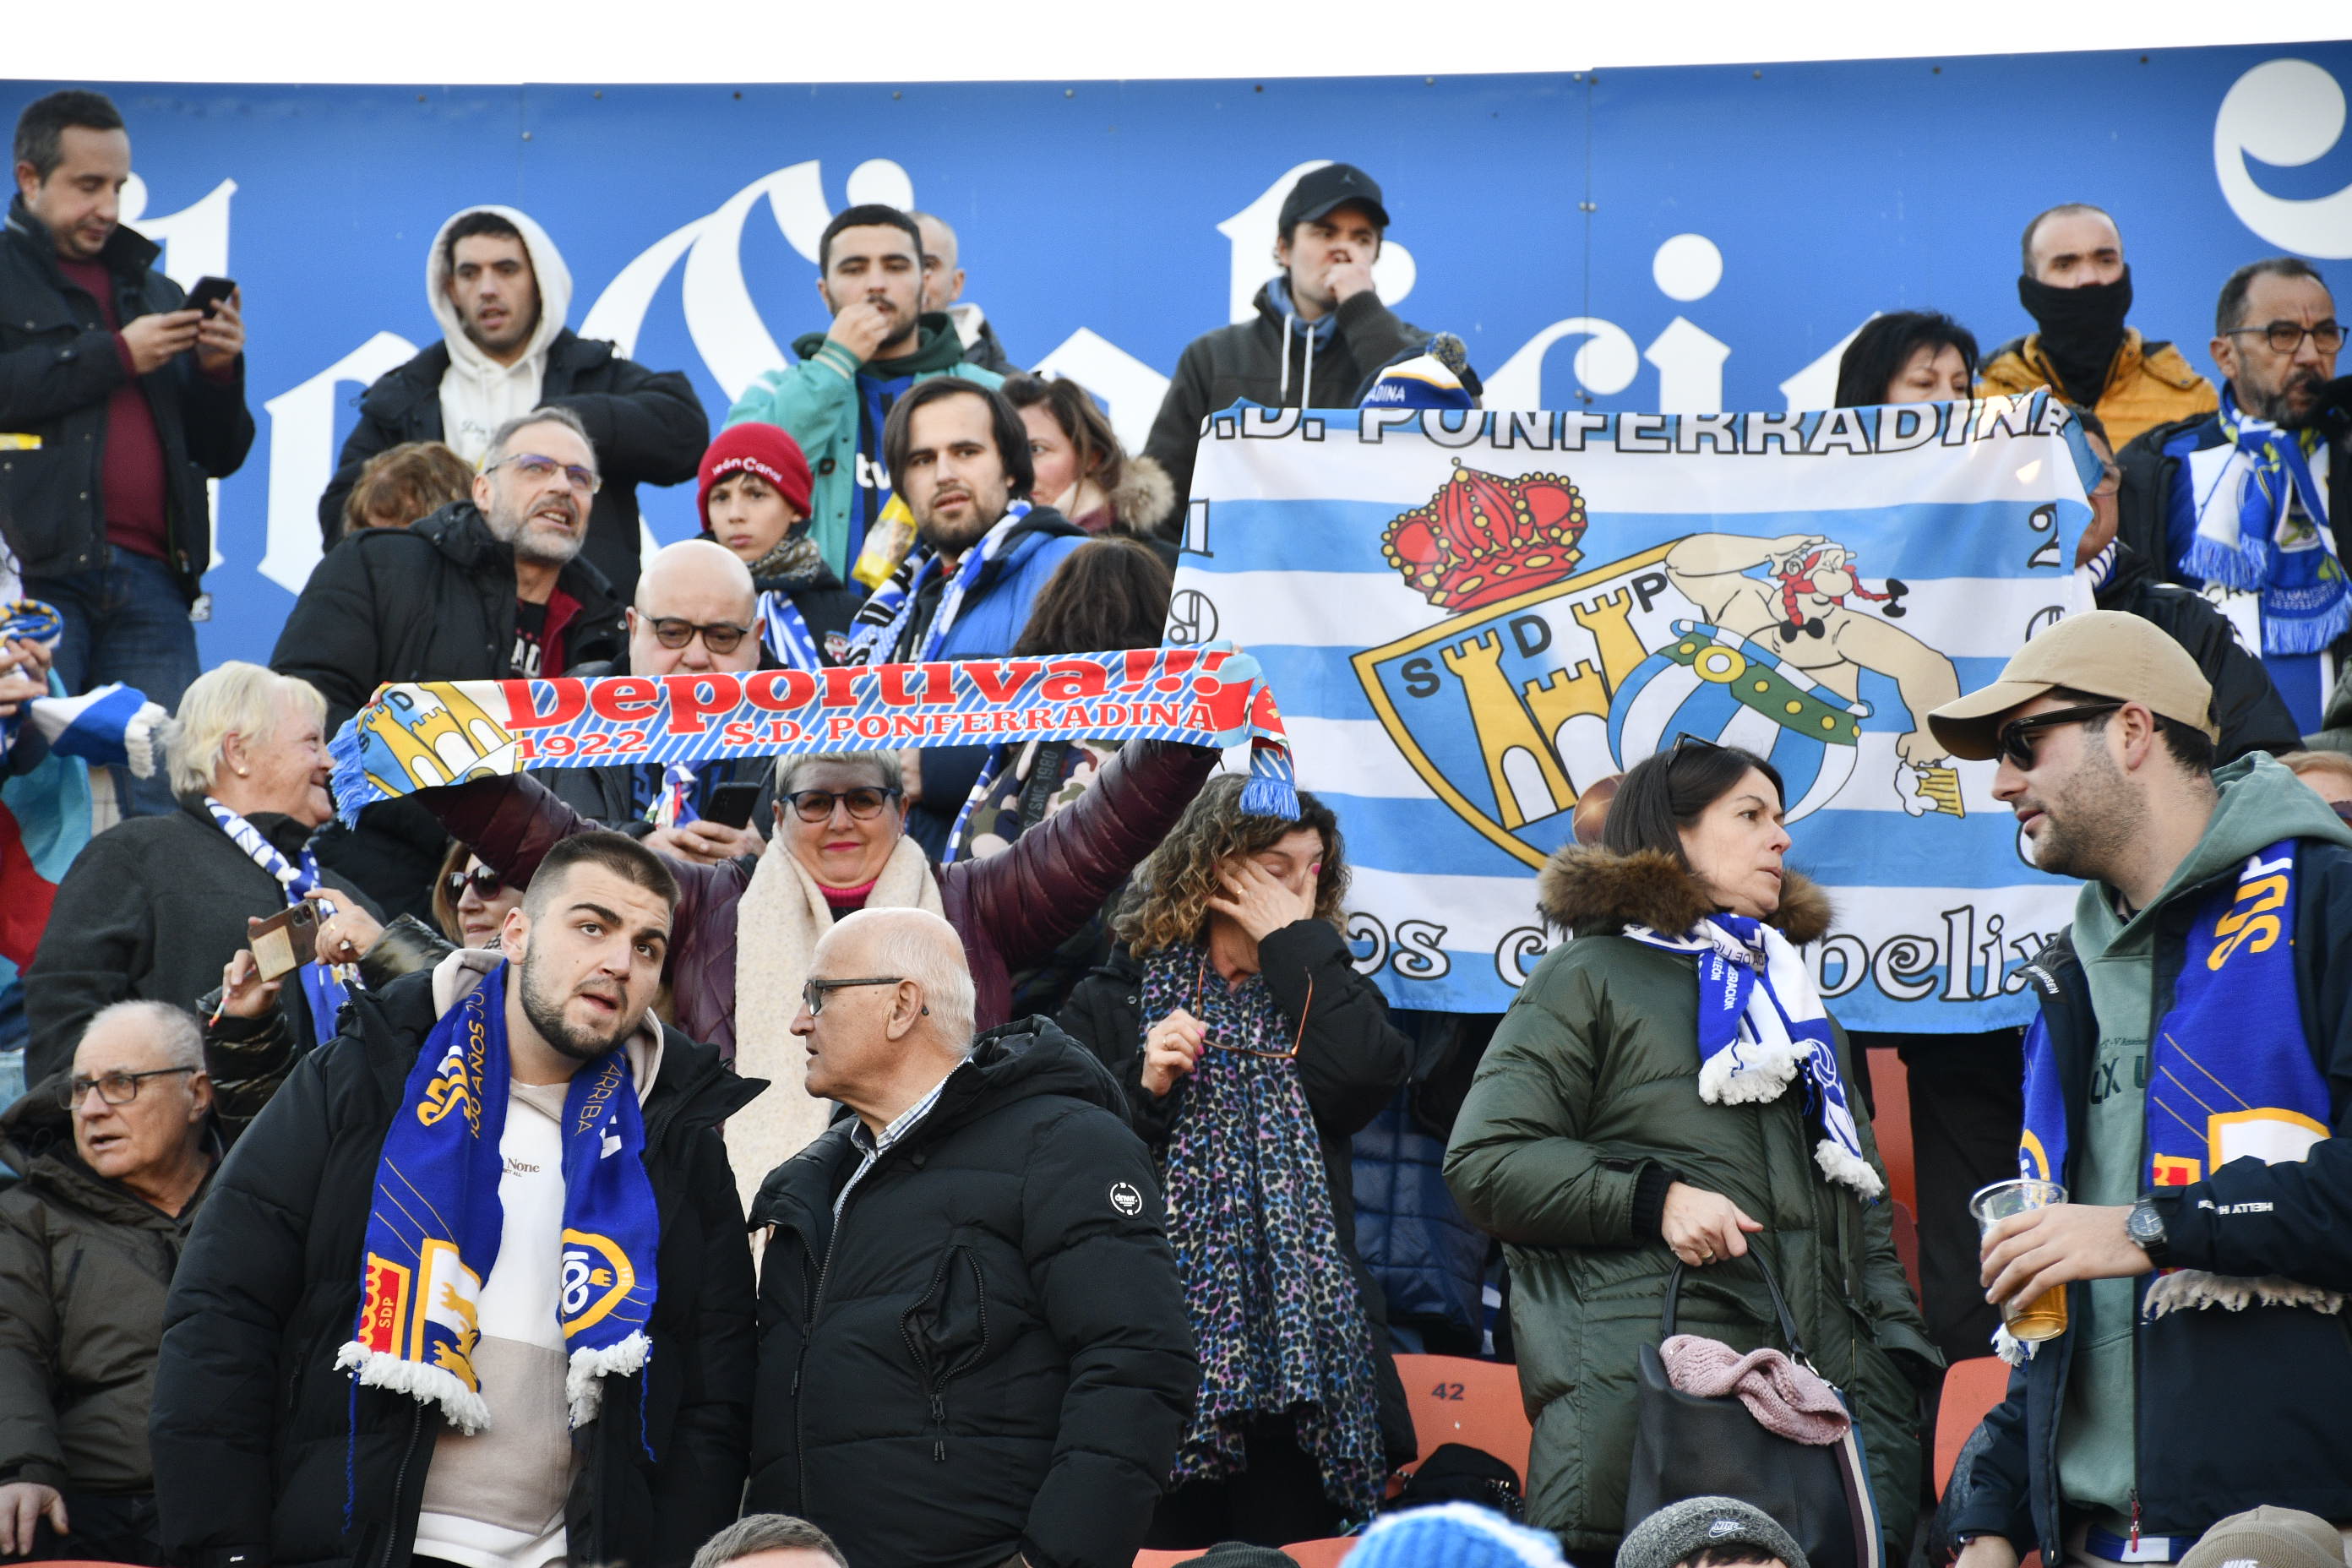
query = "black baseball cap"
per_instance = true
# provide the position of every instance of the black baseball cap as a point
(1318, 191)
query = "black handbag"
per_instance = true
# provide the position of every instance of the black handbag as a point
(1685, 1446)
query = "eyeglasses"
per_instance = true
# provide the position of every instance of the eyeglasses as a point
(114, 1087)
(1199, 983)
(814, 993)
(2016, 742)
(718, 636)
(539, 470)
(484, 882)
(2111, 479)
(865, 803)
(2285, 337)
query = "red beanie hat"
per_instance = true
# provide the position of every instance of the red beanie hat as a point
(767, 450)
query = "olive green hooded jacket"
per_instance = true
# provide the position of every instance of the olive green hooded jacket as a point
(1592, 1079)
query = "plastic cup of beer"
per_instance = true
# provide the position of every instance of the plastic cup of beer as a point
(2044, 1317)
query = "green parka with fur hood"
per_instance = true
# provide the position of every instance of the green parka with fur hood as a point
(1584, 1108)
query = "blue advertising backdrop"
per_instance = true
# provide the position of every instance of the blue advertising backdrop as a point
(1672, 239)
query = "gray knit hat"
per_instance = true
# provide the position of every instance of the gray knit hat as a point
(1241, 1554)
(1676, 1531)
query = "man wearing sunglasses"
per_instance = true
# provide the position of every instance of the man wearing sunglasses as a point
(2189, 1079)
(975, 1348)
(697, 612)
(2243, 502)
(500, 290)
(485, 589)
(116, 1156)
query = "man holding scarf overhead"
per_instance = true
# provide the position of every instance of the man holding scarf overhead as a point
(2189, 1081)
(2246, 499)
(476, 1285)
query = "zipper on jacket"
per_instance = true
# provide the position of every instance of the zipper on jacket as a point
(936, 1386)
(400, 1486)
(808, 1332)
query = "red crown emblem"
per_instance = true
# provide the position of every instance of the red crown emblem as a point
(1482, 537)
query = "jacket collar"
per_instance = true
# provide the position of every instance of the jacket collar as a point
(462, 534)
(1590, 891)
(128, 253)
(938, 348)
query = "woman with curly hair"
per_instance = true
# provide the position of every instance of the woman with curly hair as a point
(1251, 1052)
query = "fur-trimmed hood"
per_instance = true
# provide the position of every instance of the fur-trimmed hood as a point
(1589, 891)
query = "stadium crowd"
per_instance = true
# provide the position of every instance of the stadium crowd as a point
(886, 1158)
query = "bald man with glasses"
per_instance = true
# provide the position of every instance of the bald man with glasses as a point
(696, 613)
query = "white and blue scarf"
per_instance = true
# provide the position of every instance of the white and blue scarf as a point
(881, 622)
(2230, 1075)
(435, 1222)
(326, 986)
(785, 633)
(1760, 1023)
(108, 726)
(2246, 540)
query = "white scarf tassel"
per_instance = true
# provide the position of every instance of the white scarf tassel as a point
(468, 1411)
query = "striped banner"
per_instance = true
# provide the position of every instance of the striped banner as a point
(1474, 616)
(419, 735)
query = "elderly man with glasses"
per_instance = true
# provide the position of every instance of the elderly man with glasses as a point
(974, 1346)
(2188, 1082)
(2243, 502)
(115, 1153)
(487, 588)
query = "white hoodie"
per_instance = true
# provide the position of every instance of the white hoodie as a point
(478, 393)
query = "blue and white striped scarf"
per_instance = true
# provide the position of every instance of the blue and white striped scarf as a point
(325, 986)
(1761, 1023)
(785, 635)
(2245, 539)
(881, 622)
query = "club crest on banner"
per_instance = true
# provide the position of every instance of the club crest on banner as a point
(1546, 678)
(429, 737)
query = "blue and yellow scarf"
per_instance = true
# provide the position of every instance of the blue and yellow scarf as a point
(436, 1223)
(2230, 1071)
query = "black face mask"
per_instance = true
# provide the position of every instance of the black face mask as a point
(2081, 330)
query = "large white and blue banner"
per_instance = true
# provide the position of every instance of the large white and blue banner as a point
(1678, 240)
(1472, 617)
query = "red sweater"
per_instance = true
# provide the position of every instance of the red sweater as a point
(132, 476)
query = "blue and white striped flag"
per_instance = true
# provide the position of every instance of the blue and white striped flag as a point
(1474, 617)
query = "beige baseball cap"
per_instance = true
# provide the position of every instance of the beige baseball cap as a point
(2103, 653)
(2268, 1538)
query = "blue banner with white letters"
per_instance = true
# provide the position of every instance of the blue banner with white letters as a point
(1676, 240)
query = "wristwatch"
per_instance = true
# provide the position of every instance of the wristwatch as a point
(2146, 1227)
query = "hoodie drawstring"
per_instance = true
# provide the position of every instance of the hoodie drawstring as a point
(1281, 396)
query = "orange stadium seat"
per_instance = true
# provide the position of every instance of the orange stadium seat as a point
(1890, 1123)
(1971, 1388)
(1457, 1400)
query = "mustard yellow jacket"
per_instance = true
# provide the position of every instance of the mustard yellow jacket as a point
(2149, 384)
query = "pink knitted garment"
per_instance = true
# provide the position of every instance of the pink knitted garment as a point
(1793, 1401)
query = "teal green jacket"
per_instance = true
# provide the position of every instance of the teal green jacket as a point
(818, 399)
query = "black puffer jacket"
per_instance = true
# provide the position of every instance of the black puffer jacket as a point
(1264, 360)
(57, 367)
(84, 1263)
(1351, 1059)
(151, 911)
(2252, 715)
(988, 1352)
(257, 1454)
(648, 428)
(434, 602)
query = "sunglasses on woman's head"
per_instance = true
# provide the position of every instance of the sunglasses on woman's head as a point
(484, 881)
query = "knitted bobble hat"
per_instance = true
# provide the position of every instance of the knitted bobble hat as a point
(1453, 1535)
(767, 450)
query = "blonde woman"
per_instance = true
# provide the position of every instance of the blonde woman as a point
(155, 906)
